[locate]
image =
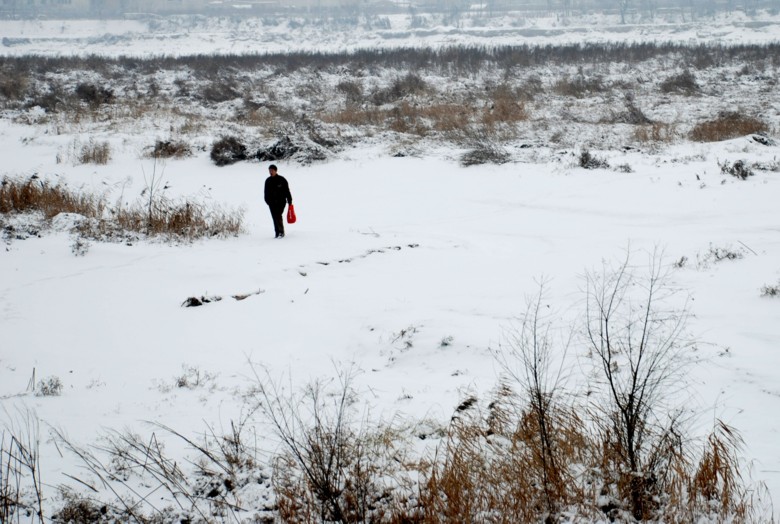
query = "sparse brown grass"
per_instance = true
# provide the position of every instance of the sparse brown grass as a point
(496, 465)
(95, 153)
(505, 107)
(727, 126)
(656, 133)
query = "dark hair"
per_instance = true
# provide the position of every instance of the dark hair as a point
(272, 166)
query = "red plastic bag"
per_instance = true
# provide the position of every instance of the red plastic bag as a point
(291, 214)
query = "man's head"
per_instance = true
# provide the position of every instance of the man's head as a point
(272, 170)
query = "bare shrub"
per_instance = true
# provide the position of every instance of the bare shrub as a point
(52, 100)
(727, 126)
(739, 169)
(505, 107)
(657, 132)
(13, 86)
(635, 341)
(352, 90)
(95, 153)
(79, 509)
(590, 161)
(532, 359)
(682, 83)
(94, 95)
(485, 151)
(49, 387)
(170, 149)
(770, 291)
(193, 377)
(219, 91)
(580, 86)
(332, 467)
(228, 150)
(409, 85)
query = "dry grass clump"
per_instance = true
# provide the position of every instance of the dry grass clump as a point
(13, 86)
(170, 149)
(34, 194)
(505, 107)
(580, 86)
(502, 467)
(157, 216)
(228, 150)
(95, 153)
(683, 83)
(94, 95)
(656, 133)
(727, 126)
(181, 220)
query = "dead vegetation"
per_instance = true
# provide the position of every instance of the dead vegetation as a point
(420, 94)
(156, 215)
(538, 448)
(726, 126)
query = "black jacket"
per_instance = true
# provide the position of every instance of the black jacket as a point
(277, 191)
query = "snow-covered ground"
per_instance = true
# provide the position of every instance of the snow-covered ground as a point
(238, 35)
(389, 258)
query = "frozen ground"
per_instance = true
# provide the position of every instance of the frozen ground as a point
(188, 35)
(383, 246)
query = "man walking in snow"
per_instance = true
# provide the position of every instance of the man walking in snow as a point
(277, 194)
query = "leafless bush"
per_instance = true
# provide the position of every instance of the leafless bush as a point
(532, 359)
(94, 95)
(218, 91)
(170, 149)
(193, 377)
(656, 132)
(353, 91)
(49, 387)
(637, 345)
(52, 100)
(590, 161)
(580, 86)
(770, 291)
(401, 87)
(228, 150)
(485, 151)
(739, 169)
(505, 107)
(683, 83)
(13, 86)
(95, 153)
(727, 126)
(77, 509)
(332, 467)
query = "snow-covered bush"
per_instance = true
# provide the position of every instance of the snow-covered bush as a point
(228, 150)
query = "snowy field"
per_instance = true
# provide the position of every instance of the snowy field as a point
(238, 35)
(410, 268)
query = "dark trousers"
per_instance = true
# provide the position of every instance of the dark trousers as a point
(277, 213)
